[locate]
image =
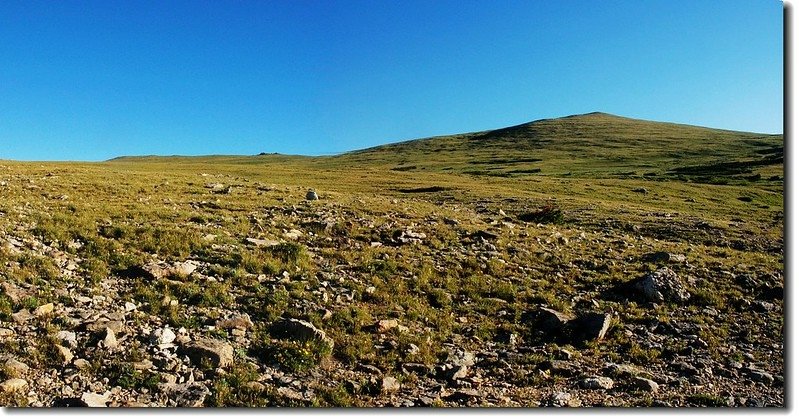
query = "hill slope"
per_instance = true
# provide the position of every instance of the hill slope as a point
(594, 144)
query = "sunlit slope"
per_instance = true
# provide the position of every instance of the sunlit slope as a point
(593, 145)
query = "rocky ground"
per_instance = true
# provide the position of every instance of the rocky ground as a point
(371, 300)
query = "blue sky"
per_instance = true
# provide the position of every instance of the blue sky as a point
(91, 80)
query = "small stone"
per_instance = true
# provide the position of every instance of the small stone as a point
(44, 310)
(563, 399)
(551, 321)
(67, 338)
(645, 384)
(384, 326)
(389, 385)
(110, 340)
(311, 196)
(290, 394)
(590, 326)
(22, 316)
(95, 400)
(255, 386)
(242, 322)
(184, 269)
(82, 364)
(130, 306)
(162, 336)
(299, 330)
(596, 383)
(662, 285)
(13, 385)
(15, 368)
(760, 376)
(64, 354)
(188, 394)
(456, 373)
(142, 365)
(217, 352)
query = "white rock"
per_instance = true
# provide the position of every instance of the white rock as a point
(95, 400)
(162, 336)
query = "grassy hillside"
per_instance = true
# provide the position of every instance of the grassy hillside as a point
(590, 145)
(428, 265)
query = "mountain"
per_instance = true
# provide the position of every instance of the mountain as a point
(593, 145)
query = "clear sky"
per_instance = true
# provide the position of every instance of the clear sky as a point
(91, 80)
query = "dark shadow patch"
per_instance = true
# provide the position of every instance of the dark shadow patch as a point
(427, 189)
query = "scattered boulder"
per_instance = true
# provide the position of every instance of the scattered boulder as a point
(563, 399)
(218, 353)
(384, 326)
(455, 373)
(311, 196)
(13, 385)
(109, 339)
(760, 376)
(162, 336)
(95, 400)
(44, 310)
(15, 368)
(99, 326)
(664, 257)
(299, 330)
(596, 383)
(551, 321)
(389, 385)
(644, 384)
(589, 327)
(67, 338)
(187, 394)
(22, 316)
(662, 285)
(262, 242)
(242, 322)
(63, 355)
